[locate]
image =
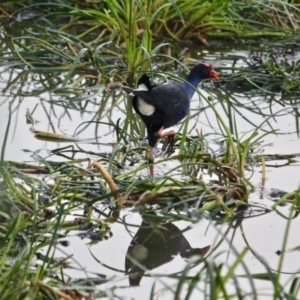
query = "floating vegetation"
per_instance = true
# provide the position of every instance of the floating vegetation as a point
(265, 71)
(81, 195)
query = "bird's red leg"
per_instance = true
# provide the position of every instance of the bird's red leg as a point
(159, 134)
(151, 161)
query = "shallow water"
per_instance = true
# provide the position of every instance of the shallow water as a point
(264, 234)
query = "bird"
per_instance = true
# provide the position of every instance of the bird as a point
(164, 105)
(154, 245)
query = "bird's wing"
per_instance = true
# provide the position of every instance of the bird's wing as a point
(164, 96)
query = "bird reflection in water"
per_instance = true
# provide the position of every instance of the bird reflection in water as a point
(153, 246)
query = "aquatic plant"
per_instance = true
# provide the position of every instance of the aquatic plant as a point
(100, 46)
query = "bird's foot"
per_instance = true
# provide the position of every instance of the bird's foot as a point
(169, 145)
(169, 142)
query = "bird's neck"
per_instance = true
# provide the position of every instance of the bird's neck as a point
(191, 84)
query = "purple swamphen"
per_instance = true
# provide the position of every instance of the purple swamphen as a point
(164, 105)
(157, 244)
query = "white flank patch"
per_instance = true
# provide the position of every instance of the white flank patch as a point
(145, 108)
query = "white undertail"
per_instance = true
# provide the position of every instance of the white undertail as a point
(145, 108)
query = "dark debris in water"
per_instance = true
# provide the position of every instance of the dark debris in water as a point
(26, 15)
(271, 72)
(94, 236)
(276, 193)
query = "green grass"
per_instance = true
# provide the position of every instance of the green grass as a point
(40, 208)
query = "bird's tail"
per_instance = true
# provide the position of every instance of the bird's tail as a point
(127, 89)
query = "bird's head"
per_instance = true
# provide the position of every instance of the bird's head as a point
(200, 72)
(205, 71)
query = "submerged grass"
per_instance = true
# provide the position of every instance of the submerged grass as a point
(40, 219)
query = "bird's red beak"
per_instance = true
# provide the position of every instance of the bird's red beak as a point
(213, 74)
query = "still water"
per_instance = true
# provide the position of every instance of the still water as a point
(263, 234)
